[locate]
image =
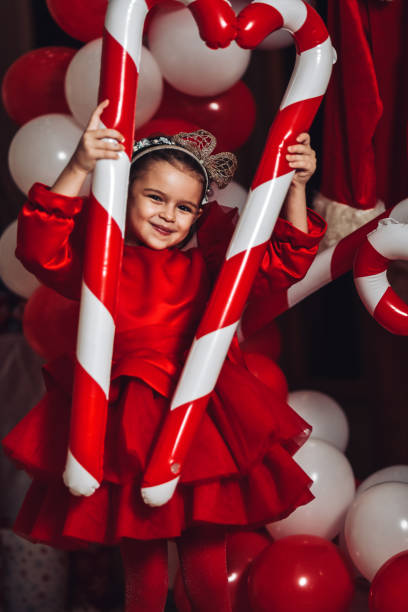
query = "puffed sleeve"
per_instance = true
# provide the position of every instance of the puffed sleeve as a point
(49, 239)
(288, 254)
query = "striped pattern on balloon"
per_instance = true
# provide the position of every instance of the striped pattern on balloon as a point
(388, 242)
(303, 95)
(120, 67)
(122, 44)
(327, 266)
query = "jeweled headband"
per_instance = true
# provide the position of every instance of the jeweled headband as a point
(218, 168)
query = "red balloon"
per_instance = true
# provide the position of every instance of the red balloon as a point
(242, 548)
(230, 116)
(79, 19)
(300, 573)
(34, 84)
(267, 341)
(166, 126)
(268, 372)
(50, 322)
(388, 592)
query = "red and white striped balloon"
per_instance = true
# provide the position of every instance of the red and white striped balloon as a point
(298, 108)
(327, 266)
(122, 44)
(386, 243)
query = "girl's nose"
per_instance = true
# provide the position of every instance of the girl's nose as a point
(167, 213)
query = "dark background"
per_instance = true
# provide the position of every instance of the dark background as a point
(330, 343)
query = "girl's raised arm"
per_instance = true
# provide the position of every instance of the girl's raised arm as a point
(302, 159)
(92, 146)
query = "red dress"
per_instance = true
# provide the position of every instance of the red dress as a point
(239, 471)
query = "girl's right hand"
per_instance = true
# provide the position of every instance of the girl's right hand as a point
(93, 144)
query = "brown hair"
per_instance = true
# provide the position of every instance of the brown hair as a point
(175, 157)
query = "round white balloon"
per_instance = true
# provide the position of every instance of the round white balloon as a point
(233, 195)
(392, 473)
(324, 414)
(42, 148)
(185, 60)
(12, 272)
(333, 487)
(377, 526)
(82, 83)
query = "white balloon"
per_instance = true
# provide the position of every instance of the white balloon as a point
(333, 487)
(324, 414)
(342, 544)
(185, 60)
(377, 526)
(393, 473)
(82, 83)
(42, 148)
(233, 195)
(12, 272)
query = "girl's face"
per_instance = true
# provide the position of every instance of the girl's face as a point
(164, 201)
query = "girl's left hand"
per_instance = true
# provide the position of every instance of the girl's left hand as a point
(302, 158)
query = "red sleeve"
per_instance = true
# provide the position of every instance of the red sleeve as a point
(288, 255)
(48, 239)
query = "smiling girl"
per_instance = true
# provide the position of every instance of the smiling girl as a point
(240, 471)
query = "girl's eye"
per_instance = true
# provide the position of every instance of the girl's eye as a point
(155, 197)
(185, 208)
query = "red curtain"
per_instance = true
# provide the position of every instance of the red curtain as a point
(366, 110)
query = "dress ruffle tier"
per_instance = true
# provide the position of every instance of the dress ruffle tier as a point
(239, 471)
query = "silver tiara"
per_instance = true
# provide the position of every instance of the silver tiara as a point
(218, 168)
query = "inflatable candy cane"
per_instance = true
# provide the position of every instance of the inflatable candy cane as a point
(386, 243)
(121, 53)
(327, 266)
(301, 101)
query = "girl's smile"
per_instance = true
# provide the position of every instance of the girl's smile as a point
(164, 201)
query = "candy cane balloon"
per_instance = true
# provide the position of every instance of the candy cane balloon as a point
(386, 243)
(300, 103)
(122, 43)
(326, 267)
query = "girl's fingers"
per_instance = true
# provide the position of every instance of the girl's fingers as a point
(102, 145)
(299, 156)
(300, 148)
(93, 123)
(106, 133)
(304, 138)
(302, 166)
(105, 154)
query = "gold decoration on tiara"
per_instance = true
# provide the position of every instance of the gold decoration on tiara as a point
(220, 167)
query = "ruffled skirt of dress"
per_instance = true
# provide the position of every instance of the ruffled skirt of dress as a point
(239, 471)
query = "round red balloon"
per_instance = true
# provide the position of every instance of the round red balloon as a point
(168, 126)
(79, 19)
(267, 341)
(242, 548)
(50, 322)
(388, 592)
(34, 84)
(300, 573)
(268, 372)
(230, 116)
